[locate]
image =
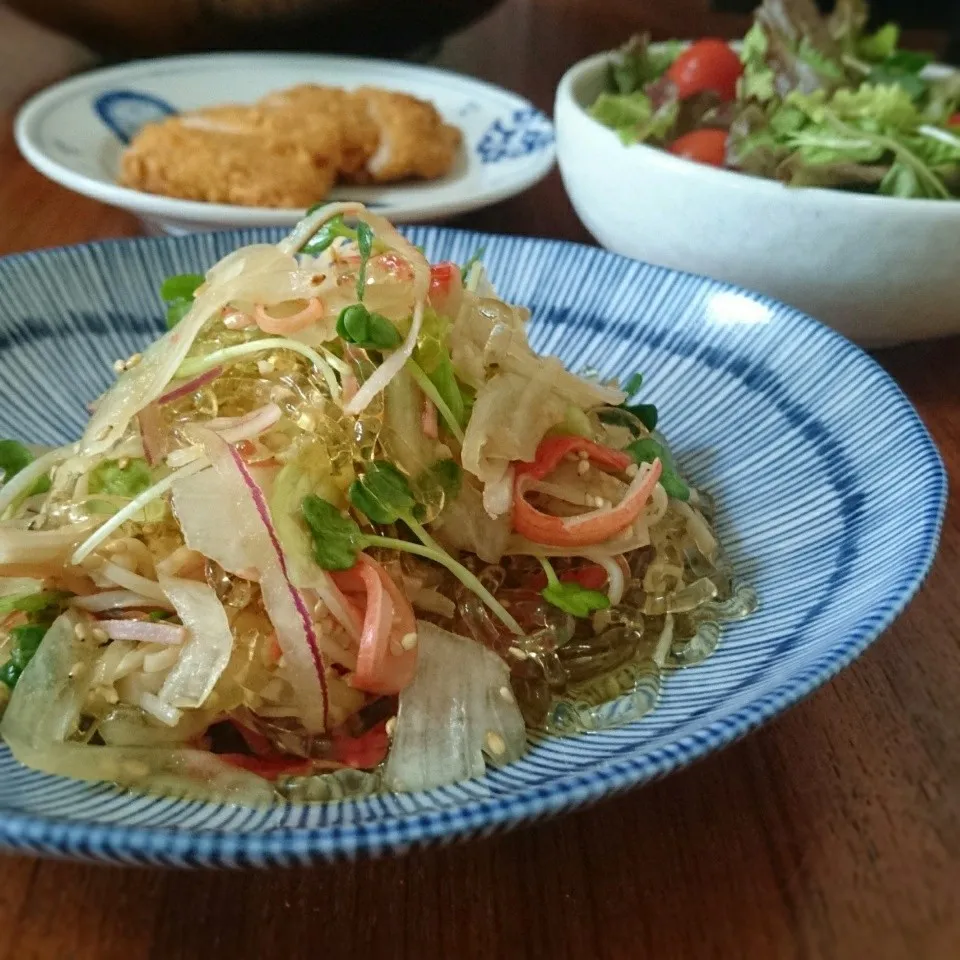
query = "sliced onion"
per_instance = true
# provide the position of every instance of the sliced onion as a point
(207, 651)
(252, 527)
(208, 520)
(154, 438)
(45, 705)
(186, 387)
(458, 708)
(143, 631)
(24, 481)
(39, 546)
(233, 430)
(132, 509)
(129, 580)
(616, 575)
(117, 600)
(498, 494)
(389, 368)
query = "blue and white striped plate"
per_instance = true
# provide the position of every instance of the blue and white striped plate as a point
(75, 131)
(831, 498)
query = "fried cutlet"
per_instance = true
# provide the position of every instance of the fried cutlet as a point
(413, 140)
(359, 136)
(205, 159)
(289, 149)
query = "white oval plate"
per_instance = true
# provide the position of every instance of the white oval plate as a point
(75, 131)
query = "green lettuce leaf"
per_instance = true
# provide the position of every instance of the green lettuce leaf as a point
(636, 64)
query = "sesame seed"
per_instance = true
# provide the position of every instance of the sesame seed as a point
(123, 463)
(99, 635)
(583, 467)
(80, 632)
(75, 670)
(391, 726)
(320, 610)
(133, 360)
(264, 367)
(495, 743)
(507, 694)
(632, 470)
(583, 455)
(119, 366)
(109, 694)
(408, 641)
(306, 422)
(517, 653)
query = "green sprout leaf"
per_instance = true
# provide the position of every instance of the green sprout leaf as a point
(633, 384)
(365, 245)
(646, 451)
(446, 474)
(324, 237)
(10, 674)
(646, 413)
(33, 602)
(474, 258)
(14, 456)
(177, 292)
(372, 331)
(183, 285)
(570, 597)
(382, 493)
(336, 539)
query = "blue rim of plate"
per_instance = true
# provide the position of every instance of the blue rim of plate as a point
(58, 836)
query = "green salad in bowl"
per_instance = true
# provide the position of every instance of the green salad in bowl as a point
(807, 99)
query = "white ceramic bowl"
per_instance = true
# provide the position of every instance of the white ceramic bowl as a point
(878, 269)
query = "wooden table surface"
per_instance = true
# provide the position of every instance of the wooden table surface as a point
(834, 832)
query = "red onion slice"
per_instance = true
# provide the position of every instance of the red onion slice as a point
(189, 386)
(286, 607)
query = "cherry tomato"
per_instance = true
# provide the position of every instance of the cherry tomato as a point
(704, 146)
(706, 65)
(954, 121)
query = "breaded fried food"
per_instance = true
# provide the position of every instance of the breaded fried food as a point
(359, 135)
(217, 164)
(413, 140)
(290, 148)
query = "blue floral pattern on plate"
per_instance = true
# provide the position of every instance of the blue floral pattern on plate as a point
(126, 111)
(526, 131)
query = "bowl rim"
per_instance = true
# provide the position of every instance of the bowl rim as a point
(769, 190)
(172, 846)
(225, 215)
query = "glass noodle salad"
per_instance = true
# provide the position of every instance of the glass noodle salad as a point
(810, 100)
(340, 530)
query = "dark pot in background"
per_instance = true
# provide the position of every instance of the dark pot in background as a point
(121, 29)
